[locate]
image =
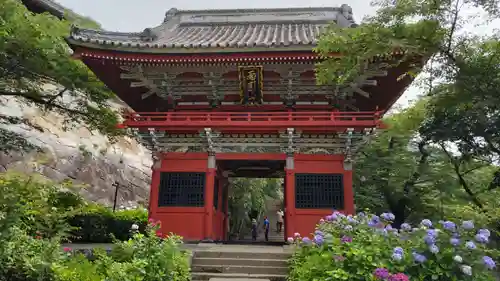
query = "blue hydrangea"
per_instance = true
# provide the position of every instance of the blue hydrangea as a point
(470, 245)
(318, 239)
(468, 225)
(406, 227)
(454, 241)
(388, 216)
(481, 238)
(398, 250)
(484, 232)
(434, 249)
(426, 223)
(489, 262)
(397, 257)
(419, 258)
(450, 226)
(306, 241)
(318, 232)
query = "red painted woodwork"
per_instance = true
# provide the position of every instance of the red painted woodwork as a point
(196, 57)
(305, 220)
(255, 121)
(209, 204)
(188, 222)
(290, 215)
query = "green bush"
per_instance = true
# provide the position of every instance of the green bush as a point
(98, 224)
(366, 247)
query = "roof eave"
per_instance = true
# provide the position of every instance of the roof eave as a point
(208, 50)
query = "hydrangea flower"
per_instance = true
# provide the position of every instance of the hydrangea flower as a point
(318, 232)
(481, 238)
(406, 226)
(434, 249)
(290, 240)
(397, 257)
(450, 226)
(381, 274)
(419, 257)
(398, 250)
(388, 216)
(458, 259)
(454, 241)
(399, 277)
(489, 262)
(470, 245)
(321, 221)
(296, 235)
(468, 225)
(484, 232)
(306, 241)
(348, 228)
(467, 270)
(426, 223)
(318, 239)
(346, 239)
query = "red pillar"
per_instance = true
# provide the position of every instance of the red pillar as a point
(155, 185)
(209, 198)
(290, 198)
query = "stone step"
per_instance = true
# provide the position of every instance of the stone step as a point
(244, 269)
(238, 279)
(231, 262)
(242, 255)
(202, 276)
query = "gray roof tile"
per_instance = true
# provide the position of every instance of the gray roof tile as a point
(226, 29)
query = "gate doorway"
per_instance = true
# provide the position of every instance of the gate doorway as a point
(255, 192)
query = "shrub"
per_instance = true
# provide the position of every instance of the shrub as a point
(366, 247)
(98, 224)
(145, 257)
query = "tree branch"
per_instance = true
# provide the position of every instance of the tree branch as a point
(461, 179)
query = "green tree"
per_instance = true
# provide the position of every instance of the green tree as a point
(33, 55)
(461, 80)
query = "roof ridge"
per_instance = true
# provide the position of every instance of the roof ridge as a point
(246, 10)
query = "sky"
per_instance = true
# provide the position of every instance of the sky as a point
(135, 16)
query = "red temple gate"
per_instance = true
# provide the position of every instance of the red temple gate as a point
(228, 93)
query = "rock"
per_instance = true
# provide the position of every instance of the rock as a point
(87, 158)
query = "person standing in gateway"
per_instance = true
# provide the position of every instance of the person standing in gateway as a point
(266, 228)
(279, 220)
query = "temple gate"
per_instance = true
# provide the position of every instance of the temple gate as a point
(220, 93)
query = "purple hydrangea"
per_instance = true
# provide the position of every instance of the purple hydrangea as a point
(398, 250)
(419, 258)
(434, 249)
(450, 226)
(361, 214)
(489, 262)
(306, 241)
(426, 223)
(470, 245)
(348, 228)
(397, 257)
(406, 227)
(468, 225)
(484, 232)
(346, 239)
(388, 216)
(381, 274)
(431, 236)
(454, 241)
(318, 239)
(330, 218)
(318, 232)
(481, 238)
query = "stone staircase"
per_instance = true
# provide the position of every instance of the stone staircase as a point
(240, 262)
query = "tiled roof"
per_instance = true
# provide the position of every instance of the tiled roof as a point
(269, 28)
(48, 5)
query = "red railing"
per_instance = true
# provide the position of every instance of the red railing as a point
(179, 120)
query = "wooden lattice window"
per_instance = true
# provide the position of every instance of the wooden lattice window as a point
(319, 191)
(181, 190)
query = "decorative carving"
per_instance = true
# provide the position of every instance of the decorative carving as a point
(170, 14)
(149, 35)
(209, 136)
(290, 136)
